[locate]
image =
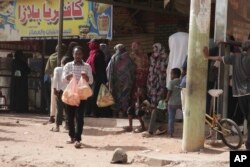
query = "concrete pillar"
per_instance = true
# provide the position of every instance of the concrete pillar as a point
(194, 116)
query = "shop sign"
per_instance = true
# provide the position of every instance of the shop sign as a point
(39, 19)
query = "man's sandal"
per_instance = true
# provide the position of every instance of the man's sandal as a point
(127, 129)
(54, 129)
(139, 130)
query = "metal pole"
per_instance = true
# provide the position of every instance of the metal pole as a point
(220, 85)
(225, 86)
(219, 69)
(42, 107)
(60, 35)
(218, 104)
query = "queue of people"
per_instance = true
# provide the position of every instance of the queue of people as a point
(137, 83)
(124, 73)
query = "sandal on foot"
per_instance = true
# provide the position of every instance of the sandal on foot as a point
(127, 129)
(160, 132)
(55, 129)
(139, 130)
(52, 119)
(70, 141)
(77, 144)
(147, 134)
(170, 135)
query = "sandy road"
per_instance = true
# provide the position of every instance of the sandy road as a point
(26, 141)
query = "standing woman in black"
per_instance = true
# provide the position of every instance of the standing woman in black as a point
(96, 60)
(19, 83)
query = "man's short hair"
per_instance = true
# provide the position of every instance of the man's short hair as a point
(177, 72)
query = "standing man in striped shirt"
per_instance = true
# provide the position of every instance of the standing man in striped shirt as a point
(79, 69)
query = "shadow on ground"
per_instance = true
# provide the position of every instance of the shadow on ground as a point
(127, 148)
(112, 148)
(99, 132)
(10, 139)
(6, 131)
(12, 124)
(212, 151)
(26, 117)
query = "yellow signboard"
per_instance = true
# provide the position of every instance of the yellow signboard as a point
(40, 19)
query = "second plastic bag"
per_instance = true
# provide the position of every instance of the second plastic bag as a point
(104, 98)
(84, 90)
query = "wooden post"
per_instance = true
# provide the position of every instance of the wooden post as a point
(195, 108)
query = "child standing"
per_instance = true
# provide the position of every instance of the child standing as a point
(173, 98)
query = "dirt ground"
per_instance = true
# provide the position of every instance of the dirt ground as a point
(26, 142)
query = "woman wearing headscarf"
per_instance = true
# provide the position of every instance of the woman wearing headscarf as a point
(96, 60)
(105, 49)
(141, 70)
(157, 73)
(120, 72)
(19, 83)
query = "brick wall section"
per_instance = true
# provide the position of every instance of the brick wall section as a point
(155, 27)
(145, 39)
(129, 27)
(163, 32)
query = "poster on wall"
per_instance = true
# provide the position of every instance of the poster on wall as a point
(39, 19)
(8, 31)
(238, 22)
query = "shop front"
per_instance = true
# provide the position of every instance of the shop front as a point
(32, 56)
(33, 28)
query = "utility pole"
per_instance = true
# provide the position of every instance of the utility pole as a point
(195, 108)
(60, 35)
